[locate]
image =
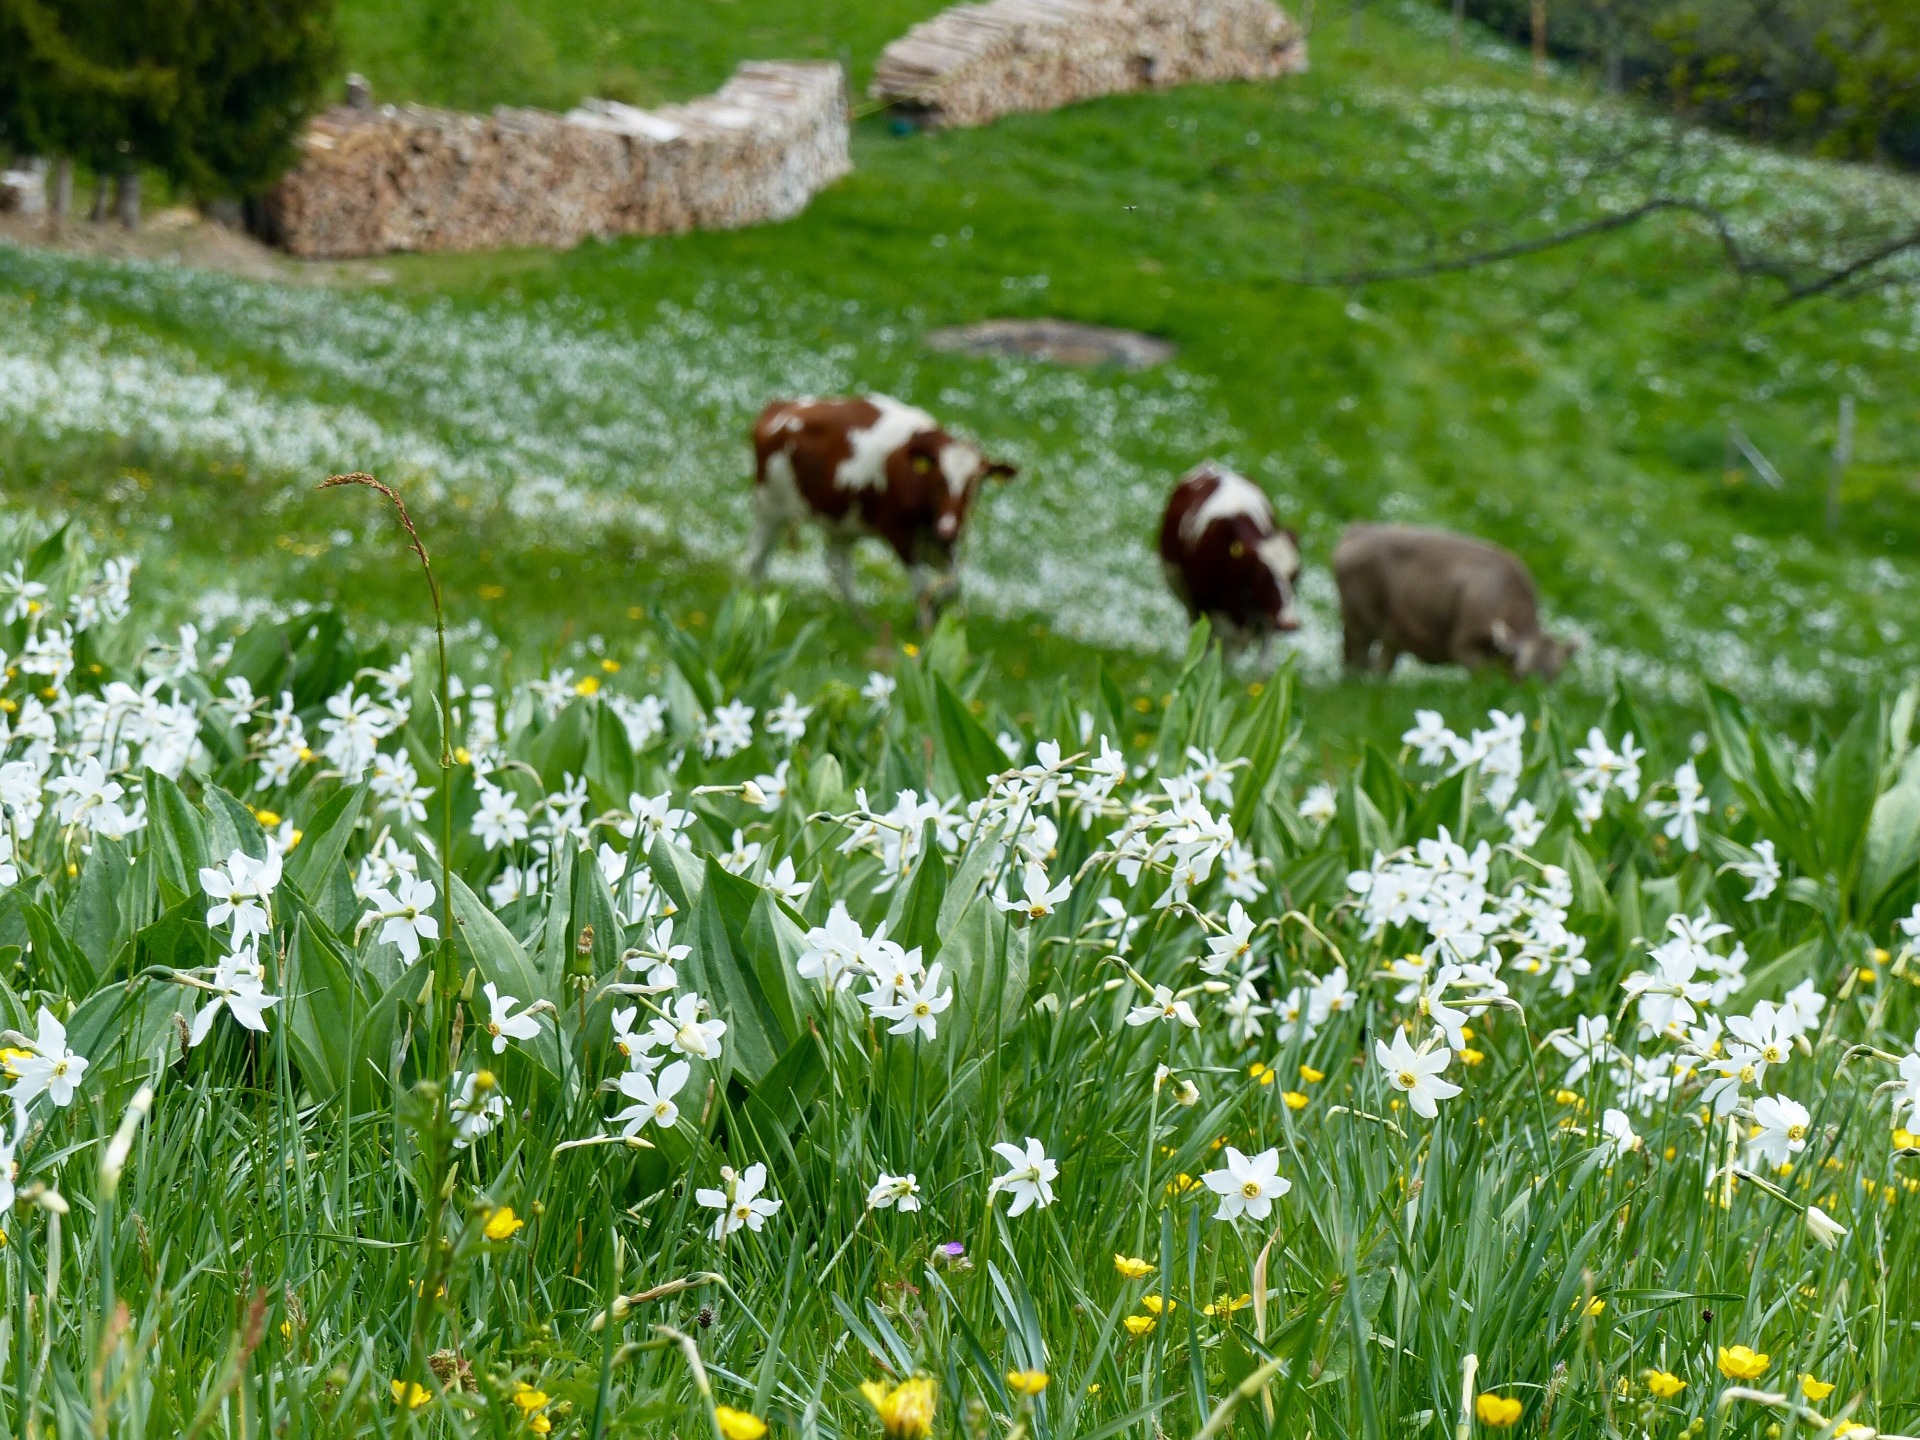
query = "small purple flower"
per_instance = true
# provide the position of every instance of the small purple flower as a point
(953, 1250)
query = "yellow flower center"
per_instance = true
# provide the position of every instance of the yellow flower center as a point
(1251, 1189)
(1406, 1080)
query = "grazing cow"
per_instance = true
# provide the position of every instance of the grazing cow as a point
(1226, 559)
(1439, 597)
(867, 466)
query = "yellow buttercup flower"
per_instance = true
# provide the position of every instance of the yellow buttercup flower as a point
(1138, 1325)
(1158, 1305)
(502, 1223)
(1664, 1384)
(410, 1393)
(905, 1411)
(528, 1398)
(1311, 1075)
(1131, 1266)
(1262, 1074)
(1740, 1362)
(587, 685)
(738, 1424)
(269, 819)
(1814, 1389)
(1498, 1411)
(1226, 1305)
(1295, 1100)
(8, 1056)
(1595, 1306)
(1026, 1382)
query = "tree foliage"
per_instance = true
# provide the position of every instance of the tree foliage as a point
(1842, 76)
(211, 92)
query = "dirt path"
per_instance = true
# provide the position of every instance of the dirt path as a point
(185, 237)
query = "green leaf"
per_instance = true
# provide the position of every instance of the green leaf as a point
(326, 1010)
(1265, 741)
(176, 838)
(1893, 836)
(753, 1041)
(94, 918)
(126, 1028)
(61, 965)
(965, 747)
(917, 922)
(1844, 795)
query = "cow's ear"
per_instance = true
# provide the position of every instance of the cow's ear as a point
(1001, 471)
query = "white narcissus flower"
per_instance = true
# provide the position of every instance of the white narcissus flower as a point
(477, 1107)
(686, 1032)
(51, 1069)
(1038, 901)
(1783, 1128)
(1164, 1006)
(1416, 1073)
(406, 913)
(1029, 1177)
(917, 1001)
(10, 1158)
(1232, 948)
(741, 1205)
(499, 820)
(1248, 1185)
(787, 721)
(1764, 871)
(1909, 1098)
(1320, 804)
(1525, 824)
(239, 891)
(236, 985)
(894, 1191)
(652, 1099)
(1824, 1228)
(1618, 1132)
(833, 950)
(502, 1024)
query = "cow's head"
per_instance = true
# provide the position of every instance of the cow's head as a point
(1272, 573)
(1536, 653)
(943, 477)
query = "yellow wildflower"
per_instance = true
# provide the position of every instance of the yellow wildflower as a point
(528, 1398)
(1311, 1075)
(410, 1393)
(269, 819)
(905, 1411)
(1471, 1056)
(1027, 1382)
(503, 1223)
(1294, 1099)
(587, 685)
(738, 1424)
(7, 1058)
(611, 666)
(1664, 1384)
(1261, 1074)
(1498, 1411)
(1740, 1362)
(1814, 1389)
(1158, 1305)
(1226, 1305)
(1131, 1266)
(1138, 1325)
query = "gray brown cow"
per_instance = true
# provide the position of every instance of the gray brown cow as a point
(1441, 598)
(1226, 559)
(868, 465)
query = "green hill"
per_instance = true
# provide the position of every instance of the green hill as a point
(571, 426)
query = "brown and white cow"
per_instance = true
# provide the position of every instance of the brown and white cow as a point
(1226, 559)
(868, 465)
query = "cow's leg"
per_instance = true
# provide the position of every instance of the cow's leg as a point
(1356, 643)
(840, 566)
(769, 525)
(926, 588)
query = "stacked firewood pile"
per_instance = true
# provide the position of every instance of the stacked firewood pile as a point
(410, 178)
(973, 63)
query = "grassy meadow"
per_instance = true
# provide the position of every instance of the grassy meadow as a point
(668, 1010)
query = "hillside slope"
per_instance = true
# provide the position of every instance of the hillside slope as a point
(570, 425)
